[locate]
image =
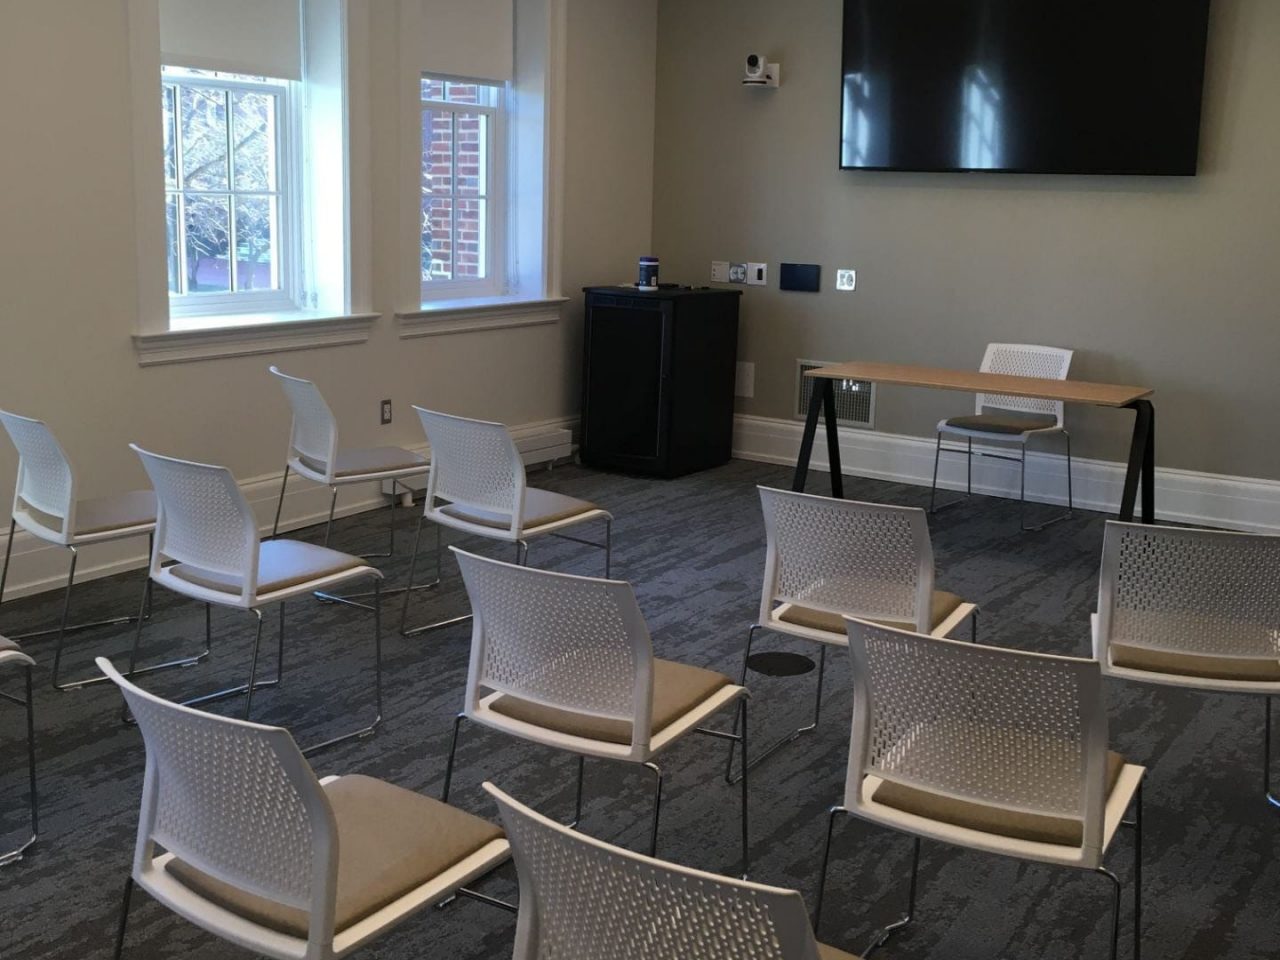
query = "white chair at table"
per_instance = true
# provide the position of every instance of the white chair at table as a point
(11, 656)
(1198, 609)
(566, 661)
(314, 453)
(587, 899)
(998, 418)
(45, 505)
(1001, 751)
(207, 548)
(827, 558)
(262, 854)
(477, 472)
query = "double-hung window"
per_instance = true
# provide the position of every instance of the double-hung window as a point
(230, 235)
(463, 215)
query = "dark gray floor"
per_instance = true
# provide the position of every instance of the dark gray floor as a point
(694, 550)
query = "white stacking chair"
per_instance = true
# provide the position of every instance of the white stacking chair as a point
(45, 505)
(207, 548)
(262, 854)
(314, 453)
(1198, 609)
(827, 558)
(479, 479)
(589, 900)
(566, 661)
(996, 750)
(12, 657)
(998, 418)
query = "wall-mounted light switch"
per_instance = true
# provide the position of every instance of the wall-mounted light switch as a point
(846, 279)
(757, 274)
(719, 271)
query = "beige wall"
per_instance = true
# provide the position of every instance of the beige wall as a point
(68, 288)
(1169, 282)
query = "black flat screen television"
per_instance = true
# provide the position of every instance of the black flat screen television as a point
(1023, 86)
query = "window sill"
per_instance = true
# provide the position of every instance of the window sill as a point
(489, 313)
(265, 333)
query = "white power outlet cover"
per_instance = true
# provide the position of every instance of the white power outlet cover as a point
(720, 271)
(846, 279)
(757, 274)
(737, 273)
(744, 384)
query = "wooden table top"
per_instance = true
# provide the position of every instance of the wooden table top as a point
(971, 381)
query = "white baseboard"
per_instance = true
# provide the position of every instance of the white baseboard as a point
(38, 566)
(1182, 496)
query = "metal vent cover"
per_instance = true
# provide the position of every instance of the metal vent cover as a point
(855, 399)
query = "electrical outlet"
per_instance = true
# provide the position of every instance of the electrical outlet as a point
(846, 279)
(744, 384)
(757, 274)
(386, 411)
(719, 271)
(737, 273)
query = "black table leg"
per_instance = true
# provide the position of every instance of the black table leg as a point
(1142, 462)
(833, 439)
(820, 387)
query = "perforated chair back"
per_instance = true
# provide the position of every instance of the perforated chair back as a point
(583, 899)
(313, 437)
(45, 481)
(236, 800)
(867, 560)
(473, 463)
(569, 642)
(1179, 590)
(203, 518)
(1026, 732)
(1024, 360)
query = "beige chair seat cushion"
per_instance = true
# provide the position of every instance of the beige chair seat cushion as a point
(390, 841)
(10, 652)
(137, 508)
(540, 508)
(370, 460)
(943, 605)
(1196, 664)
(827, 952)
(281, 564)
(677, 689)
(1037, 828)
(1010, 423)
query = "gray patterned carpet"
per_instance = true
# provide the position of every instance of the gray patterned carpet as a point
(694, 550)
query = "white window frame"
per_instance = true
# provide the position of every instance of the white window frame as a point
(289, 230)
(497, 167)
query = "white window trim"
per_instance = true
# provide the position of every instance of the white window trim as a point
(155, 342)
(478, 313)
(497, 165)
(288, 241)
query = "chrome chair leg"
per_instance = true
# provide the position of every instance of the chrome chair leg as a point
(404, 609)
(1067, 515)
(795, 734)
(934, 506)
(284, 482)
(657, 806)
(124, 918)
(826, 860)
(1266, 755)
(883, 935)
(1115, 909)
(13, 856)
(448, 764)
(368, 730)
(577, 800)
(356, 599)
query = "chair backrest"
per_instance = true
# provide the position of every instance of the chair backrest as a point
(45, 481)
(1024, 360)
(564, 641)
(473, 463)
(313, 437)
(867, 560)
(235, 800)
(1189, 591)
(203, 519)
(583, 899)
(1023, 731)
